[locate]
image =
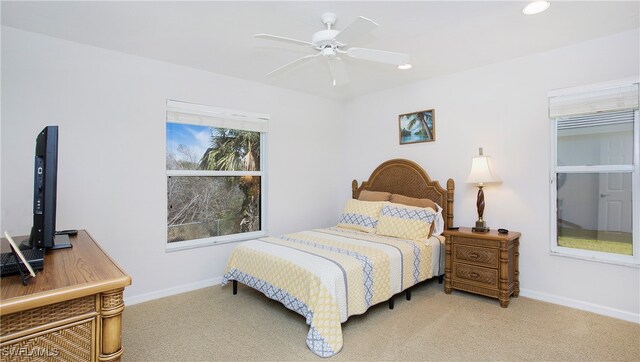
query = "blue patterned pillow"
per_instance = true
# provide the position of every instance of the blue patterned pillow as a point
(361, 215)
(405, 222)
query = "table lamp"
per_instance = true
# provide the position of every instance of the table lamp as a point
(481, 173)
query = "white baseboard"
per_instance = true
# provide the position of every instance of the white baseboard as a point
(578, 304)
(171, 291)
(555, 299)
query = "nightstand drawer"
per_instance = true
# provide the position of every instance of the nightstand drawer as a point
(478, 275)
(479, 256)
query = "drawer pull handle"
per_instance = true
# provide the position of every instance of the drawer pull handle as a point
(473, 255)
(474, 275)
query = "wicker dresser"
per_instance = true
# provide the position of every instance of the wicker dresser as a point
(483, 263)
(71, 311)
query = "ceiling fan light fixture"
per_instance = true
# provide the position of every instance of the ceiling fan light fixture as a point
(405, 66)
(536, 7)
(331, 44)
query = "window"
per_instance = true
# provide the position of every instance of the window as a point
(595, 177)
(215, 175)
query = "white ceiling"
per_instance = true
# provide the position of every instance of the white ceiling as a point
(442, 37)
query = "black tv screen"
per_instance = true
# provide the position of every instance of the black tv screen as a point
(45, 183)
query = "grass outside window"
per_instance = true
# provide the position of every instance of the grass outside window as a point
(596, 240)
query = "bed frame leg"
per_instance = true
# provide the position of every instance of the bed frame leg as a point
(391, 303)
(440, 279)
(235, 287)
(408, 294)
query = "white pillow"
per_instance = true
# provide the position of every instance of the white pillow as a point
(438, 227)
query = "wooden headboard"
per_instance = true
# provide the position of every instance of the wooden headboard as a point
(407, 178)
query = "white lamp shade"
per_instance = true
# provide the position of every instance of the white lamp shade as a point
(482, 171)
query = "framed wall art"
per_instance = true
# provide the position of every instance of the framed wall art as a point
(417, 127)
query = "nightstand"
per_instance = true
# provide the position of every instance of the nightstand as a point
(483, 263)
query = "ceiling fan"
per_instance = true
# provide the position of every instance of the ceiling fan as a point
(331, 44)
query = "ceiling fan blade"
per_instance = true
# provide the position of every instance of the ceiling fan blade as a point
(288, 65)
(380, 56)
(356, 29)
(283, 39)
(338, 71)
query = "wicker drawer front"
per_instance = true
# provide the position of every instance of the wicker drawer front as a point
(33, 318)
(70, 343)
(488, 277)
(478, 256)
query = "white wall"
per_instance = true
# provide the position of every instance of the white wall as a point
(110, 109)
(503, 108)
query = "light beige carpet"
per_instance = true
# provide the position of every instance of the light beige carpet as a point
(211, 324)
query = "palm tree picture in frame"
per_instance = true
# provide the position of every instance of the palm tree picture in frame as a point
(417, 127)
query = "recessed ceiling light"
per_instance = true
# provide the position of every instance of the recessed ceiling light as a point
(536, 7)
(405, 66)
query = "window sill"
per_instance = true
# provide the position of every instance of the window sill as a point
(595, 258)
(201, 243)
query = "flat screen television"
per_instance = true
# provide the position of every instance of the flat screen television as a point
(45, 183)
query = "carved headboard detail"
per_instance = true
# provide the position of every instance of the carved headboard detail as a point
(404, 177)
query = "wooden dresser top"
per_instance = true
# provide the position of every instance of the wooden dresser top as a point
(489, 235)
(70, 273)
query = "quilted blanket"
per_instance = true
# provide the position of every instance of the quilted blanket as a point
(327, 275)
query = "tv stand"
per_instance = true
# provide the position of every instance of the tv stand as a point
(71, 311)
(61, 242)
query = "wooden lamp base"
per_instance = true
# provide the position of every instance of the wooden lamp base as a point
(481, 226)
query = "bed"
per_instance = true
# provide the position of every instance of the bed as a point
(380, 248)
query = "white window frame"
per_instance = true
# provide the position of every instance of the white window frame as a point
(633, 169)
(196, 114)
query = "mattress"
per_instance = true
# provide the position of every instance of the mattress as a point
(328, 275)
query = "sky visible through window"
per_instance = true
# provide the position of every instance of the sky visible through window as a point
(196, 138)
